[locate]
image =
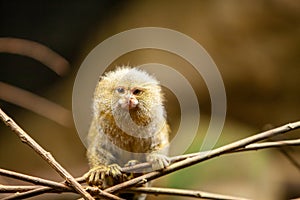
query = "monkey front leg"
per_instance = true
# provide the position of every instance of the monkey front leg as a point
(104, 175)
(101, 173)
(158, 161)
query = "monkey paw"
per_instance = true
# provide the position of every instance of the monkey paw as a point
(158, 161)
(104, 176)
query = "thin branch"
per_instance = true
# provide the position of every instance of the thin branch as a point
(265, 145)
(34, 180)
(27, 191)
(39, 190)
(17, 188)
(181, 192)
(25, 138)
(250, 147)
(202, 157)
(37, 104)
(36, 51)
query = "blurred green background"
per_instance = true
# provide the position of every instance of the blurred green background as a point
(255, 44)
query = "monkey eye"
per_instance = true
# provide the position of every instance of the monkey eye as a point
(120, 90)
(137, 91)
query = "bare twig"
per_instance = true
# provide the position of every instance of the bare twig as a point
(205, 156)
(25, 138)
(181, 192)
(14, 189)
(250, 147)
(34, 180)
(39, 190)
(27, 191)
(37, 51)
(35, 103)
(265, 145)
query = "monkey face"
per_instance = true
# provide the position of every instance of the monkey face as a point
(132, 100)
(129, 93)
(128, 98)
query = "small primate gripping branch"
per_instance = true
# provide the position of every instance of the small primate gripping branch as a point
(177, 163)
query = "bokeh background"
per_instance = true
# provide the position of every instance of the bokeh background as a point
(255, 44)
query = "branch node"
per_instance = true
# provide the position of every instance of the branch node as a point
(291, 126)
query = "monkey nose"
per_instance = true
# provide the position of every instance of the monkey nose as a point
(129, 103)
(133, 102)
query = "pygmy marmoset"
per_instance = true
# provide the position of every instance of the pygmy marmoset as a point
(129, 123)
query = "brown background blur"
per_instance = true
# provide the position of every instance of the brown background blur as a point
(255, 44)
